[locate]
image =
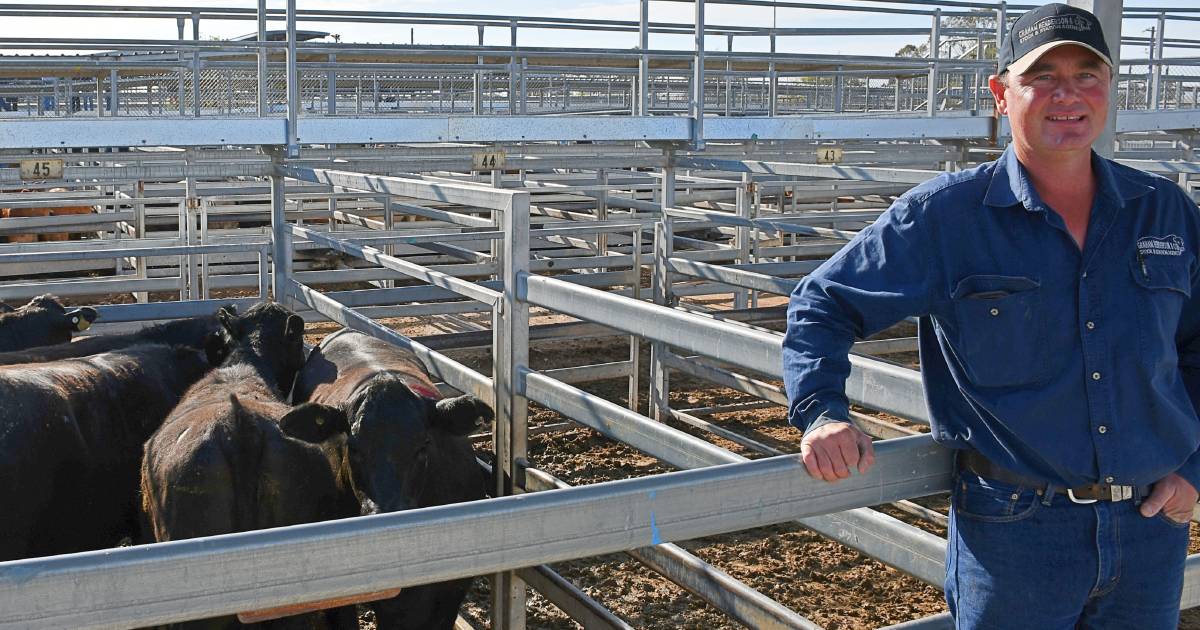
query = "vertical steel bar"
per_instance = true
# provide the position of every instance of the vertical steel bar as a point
(331, 87)
(261, 56)
(935, 43)
(114, 91)
(524, 96)
(742, 236)
(139, 225)
(728, 75)
(191, 204)
(635, 345)
(643, 78)
(660, 285)
(697, 113)
(839, 89)
(477, 108)
(293, 97)
(1157, 61)
(196, 83)
(510, 356)
(203, 257)
(773, 80)
(281, 255)
(513, 68)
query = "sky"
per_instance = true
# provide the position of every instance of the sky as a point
(617, 9)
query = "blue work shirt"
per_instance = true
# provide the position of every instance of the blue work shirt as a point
(1064, 365)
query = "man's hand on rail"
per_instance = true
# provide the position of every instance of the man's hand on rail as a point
(831, 450)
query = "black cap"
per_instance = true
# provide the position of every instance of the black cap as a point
(1047, 27)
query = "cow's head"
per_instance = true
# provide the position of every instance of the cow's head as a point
(46, 322)
(402, 443)
(268, 336)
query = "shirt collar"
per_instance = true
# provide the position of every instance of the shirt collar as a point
(1010, 184)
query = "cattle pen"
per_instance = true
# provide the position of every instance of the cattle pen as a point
(658, 193)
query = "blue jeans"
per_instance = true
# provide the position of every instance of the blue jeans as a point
(1020, 560)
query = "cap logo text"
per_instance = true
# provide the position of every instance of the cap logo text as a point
(1053, 23)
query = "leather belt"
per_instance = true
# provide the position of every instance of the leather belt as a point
(1090, 493)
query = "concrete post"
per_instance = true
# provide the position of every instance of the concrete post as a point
(1109, 14)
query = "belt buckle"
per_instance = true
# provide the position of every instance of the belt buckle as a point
(1074, 499)
(1120, 493)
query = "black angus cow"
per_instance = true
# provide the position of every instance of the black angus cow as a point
(233, 457)
(71, 435)
(43, 321)
(407, 449)
(201, 333)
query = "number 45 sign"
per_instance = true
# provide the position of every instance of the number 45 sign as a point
(41, 169)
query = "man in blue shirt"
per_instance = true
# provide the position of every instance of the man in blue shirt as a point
(1059, 343)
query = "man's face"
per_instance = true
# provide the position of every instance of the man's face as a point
(1059, 104)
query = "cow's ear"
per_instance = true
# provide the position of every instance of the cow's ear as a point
(227, 316)
(216, 348)
(294, 327)
(461, 415)
(81, 318)
(314, 423)
(47, 301)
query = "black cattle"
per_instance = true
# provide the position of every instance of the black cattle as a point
(233, 457)
(407, 449)
(71, 435)
(43, 321)
(201, 333)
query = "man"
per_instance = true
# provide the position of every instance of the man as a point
(1059, 338)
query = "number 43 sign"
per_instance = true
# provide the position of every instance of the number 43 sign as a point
(41, 169)
(829, 154)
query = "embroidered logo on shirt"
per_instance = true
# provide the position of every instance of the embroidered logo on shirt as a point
(1169, 245)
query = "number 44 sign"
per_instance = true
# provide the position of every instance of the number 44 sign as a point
(41, 169)
(487, 161)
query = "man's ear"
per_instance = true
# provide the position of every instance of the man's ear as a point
(999, 92)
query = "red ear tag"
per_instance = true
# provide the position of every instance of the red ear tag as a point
(425, 391)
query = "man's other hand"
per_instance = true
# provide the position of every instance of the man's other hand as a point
(831, 450)
(1171, 494)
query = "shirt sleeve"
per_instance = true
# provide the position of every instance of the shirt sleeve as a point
(886, 273)
(1187, 340)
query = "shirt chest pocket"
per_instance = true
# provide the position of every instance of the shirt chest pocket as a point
(1000, 326)
(1165, 283)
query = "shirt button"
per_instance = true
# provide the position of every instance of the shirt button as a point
(995, 312)
(1102, 429)
(1085, 274)
(1108, 479)
(1091, 325)
(1095, 376)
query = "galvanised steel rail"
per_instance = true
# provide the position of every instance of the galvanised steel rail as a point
(174, 581)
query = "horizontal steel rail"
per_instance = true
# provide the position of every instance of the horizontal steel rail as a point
(370, 254)
(224, 574)
(877, 535)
